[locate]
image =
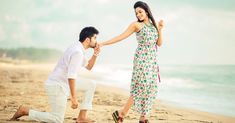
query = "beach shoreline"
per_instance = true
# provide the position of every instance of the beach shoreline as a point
(23, 84)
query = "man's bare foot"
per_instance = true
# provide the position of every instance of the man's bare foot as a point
(22, 111)
(84, 121)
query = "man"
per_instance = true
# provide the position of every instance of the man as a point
(61, 82)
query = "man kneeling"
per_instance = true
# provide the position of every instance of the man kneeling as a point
(63, 81)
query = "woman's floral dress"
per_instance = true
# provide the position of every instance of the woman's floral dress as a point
(145, 74)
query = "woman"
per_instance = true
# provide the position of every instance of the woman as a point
(145, 70)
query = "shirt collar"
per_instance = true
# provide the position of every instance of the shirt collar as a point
(80, 45)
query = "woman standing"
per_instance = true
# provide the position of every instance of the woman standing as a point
(145, 74)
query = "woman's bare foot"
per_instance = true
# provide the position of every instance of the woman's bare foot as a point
(142, 118)
(22, 111)
(122, 113)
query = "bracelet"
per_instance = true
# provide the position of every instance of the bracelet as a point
(95, 55)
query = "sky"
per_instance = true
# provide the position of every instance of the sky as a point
(196, 32)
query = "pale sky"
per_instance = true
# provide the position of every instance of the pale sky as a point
(196, 32)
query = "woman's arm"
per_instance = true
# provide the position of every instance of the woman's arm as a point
(160, 26)
(159, 40)
(130, 30)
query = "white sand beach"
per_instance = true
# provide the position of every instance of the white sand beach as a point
(23, 84)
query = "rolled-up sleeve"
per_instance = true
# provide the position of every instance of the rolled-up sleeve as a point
(85, 61)
(75, 65)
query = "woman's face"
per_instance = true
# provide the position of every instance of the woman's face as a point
(140, 14)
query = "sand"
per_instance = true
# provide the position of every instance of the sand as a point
(23, 84)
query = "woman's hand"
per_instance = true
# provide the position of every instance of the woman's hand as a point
(160, 24)
(100, 44)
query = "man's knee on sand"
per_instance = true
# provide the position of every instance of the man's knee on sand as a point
(52, 117)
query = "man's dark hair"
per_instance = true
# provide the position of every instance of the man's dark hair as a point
(87, 32)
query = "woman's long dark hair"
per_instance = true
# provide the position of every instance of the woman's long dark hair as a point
(146, 8)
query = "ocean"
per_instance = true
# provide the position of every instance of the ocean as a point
(209, 88)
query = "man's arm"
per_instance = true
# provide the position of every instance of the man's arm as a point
(73, 67)
(73, 93)
(92, 61)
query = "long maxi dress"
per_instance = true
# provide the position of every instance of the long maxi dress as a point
(145, 75)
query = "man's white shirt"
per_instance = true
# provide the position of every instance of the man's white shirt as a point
(68, 66)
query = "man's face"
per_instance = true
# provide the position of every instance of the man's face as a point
(93, 41)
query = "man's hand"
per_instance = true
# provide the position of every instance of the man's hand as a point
(97, 50)
(91, 62)
(74, 103)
